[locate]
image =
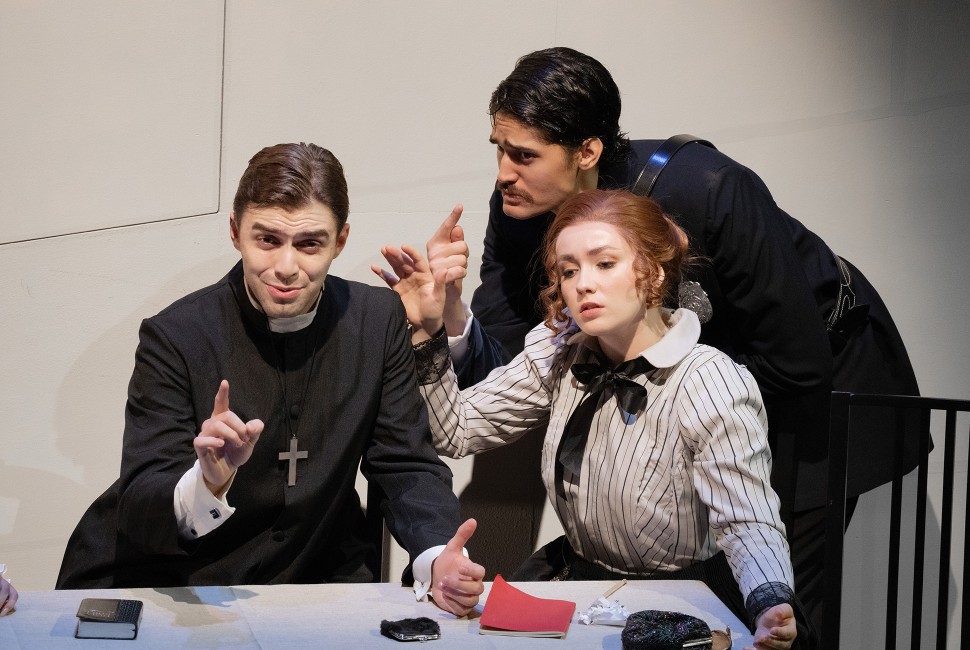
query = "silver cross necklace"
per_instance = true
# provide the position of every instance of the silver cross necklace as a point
(294, 411)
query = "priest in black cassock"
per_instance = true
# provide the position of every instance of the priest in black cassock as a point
(252, 403)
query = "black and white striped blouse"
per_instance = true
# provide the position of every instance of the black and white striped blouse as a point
(658, 490)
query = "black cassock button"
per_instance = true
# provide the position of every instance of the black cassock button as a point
(278, 536)
(295, 411)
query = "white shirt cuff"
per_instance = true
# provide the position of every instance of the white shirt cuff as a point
(197, 511)
(421, 569)
(459, 344)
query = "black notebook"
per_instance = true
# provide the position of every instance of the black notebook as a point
(108, 618)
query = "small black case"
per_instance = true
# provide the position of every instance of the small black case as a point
(411, 629)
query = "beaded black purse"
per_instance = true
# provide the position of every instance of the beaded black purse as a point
(653, 629)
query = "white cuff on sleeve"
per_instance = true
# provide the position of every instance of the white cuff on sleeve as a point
(421, 569)
(197, 511)
(459, 344)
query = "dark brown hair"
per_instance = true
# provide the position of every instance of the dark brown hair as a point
(657, 243)
(289, 176)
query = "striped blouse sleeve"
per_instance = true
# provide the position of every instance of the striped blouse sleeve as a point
(510, 402)
(723, 417)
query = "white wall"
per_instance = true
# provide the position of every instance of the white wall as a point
(125, 126)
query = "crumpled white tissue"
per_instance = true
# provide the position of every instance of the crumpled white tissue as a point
(604, 612)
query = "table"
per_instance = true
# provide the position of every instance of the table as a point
(334, 616)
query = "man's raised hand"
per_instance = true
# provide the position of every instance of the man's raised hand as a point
(225, 442)
(416, 280)
(448, 253)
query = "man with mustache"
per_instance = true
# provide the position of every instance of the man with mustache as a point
(775, 296)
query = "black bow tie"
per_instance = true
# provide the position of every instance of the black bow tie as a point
(632, 397)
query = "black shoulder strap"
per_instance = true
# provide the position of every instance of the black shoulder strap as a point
(655, 164)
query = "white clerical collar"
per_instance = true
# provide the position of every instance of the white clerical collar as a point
(290, 323)
(685, 330)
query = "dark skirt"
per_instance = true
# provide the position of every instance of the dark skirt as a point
(558, 561)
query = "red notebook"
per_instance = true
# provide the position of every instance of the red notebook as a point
(515, 613)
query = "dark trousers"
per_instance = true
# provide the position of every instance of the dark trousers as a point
(806, 538)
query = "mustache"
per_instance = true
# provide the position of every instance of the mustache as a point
(508, 187)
